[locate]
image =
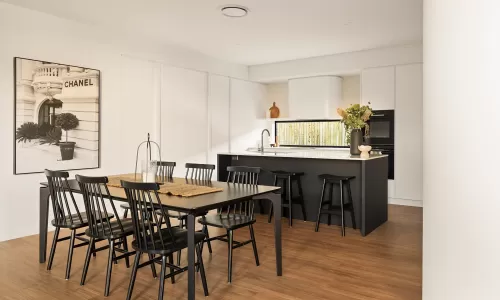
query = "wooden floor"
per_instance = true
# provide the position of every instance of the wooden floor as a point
(387, 264)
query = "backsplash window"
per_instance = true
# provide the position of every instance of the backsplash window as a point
(310, 133)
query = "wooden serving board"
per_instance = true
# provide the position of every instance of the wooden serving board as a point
(174, 186)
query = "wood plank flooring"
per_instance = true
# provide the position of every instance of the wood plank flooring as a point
(387, 264)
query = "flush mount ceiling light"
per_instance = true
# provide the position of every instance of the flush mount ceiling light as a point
(234, 11)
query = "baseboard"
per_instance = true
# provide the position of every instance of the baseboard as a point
(406, 202)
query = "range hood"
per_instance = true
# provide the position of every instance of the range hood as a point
(314, 97)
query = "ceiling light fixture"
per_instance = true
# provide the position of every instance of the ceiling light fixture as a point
(234, 11)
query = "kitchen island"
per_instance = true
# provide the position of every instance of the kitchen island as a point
(369, 188)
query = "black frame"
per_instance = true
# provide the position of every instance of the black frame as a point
(15, 118)
(307, 121)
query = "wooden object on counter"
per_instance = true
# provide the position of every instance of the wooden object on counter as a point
(274, 111)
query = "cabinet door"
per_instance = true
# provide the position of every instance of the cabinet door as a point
(247, 114)
(218, 108)
(408, 132)
(314, 97)
(184, 126)
(377, 88)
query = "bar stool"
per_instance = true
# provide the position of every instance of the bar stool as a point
(285, 180)
(334, 209)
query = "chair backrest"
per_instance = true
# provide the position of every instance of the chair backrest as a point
(59, 193)
(147, 226)
(165, 169)
(199, 171)
(94, 191)
(247, 176)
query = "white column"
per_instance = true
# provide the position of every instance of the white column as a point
(461, 242)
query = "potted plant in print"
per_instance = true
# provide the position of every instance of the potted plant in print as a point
(67, 122)
(27, 132)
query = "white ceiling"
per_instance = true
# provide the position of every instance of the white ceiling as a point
(274, 30)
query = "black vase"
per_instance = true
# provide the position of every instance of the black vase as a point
(356, 140)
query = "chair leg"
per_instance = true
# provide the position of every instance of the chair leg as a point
(90, 250)
(254, 245)
(209, 244)
(133, 274)
(320, 206)
(330, 206)
(70, 253)
(342, 208)
(153, 268)
(302, 203)
(125, 213)
(162, 277)
(171, 261)
(229, 255)
(53, 249)
(289, 195)
(125, 247)
(94, 253)
(353, 218)
(202, 269)
(111, 258)
(179, 257)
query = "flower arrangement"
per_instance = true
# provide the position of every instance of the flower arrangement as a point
(355, 117)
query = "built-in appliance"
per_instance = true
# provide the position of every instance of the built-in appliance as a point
(381, 126)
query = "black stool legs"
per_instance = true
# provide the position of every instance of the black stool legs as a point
(344, 184)
(285, 182)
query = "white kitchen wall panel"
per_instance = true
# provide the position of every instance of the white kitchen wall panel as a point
(408, 133)
(184, 134)
(378, 88)
(247, 113)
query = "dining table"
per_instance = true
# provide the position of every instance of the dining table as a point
(227, 194)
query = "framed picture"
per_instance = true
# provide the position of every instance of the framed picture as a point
(56, 116)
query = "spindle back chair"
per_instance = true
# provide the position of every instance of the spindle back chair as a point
(201, 172)
(235, 216)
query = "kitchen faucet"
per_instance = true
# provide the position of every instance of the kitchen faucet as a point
(262, 139)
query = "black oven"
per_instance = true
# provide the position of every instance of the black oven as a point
(381, 135)
(381, 127)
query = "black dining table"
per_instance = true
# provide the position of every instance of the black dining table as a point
(193, 206)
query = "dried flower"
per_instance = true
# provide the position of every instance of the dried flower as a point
(342, 113)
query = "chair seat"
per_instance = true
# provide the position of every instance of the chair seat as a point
(227, 221)
(127, 206)
(280, 173)
(163, 243)
(112, 230)
(173, 214)
(74, 222)
(335, 178)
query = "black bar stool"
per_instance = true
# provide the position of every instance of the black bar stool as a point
(286, 180)
(333, 208)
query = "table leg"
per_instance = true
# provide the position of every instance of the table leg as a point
(44, 216)
(190, 256)
(276, 201)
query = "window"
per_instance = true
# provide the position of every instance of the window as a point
(47, 113)
(314, 133)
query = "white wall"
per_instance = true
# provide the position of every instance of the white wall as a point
(461, 244)
(129, 96)
(338, 64)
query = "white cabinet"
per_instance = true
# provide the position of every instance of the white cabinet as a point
(378, 88)
(218, 116)
(314, 97)
(247, 114)
(184, 126)
(408, 133)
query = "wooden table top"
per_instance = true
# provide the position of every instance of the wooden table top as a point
(231, 193)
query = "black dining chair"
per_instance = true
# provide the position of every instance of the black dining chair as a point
(67, 215)
(96, 197)
(196, 173)
(151, 238)
(165, 171)
(235, 216)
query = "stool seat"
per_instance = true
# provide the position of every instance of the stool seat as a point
(330, 177)
(280, 173)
